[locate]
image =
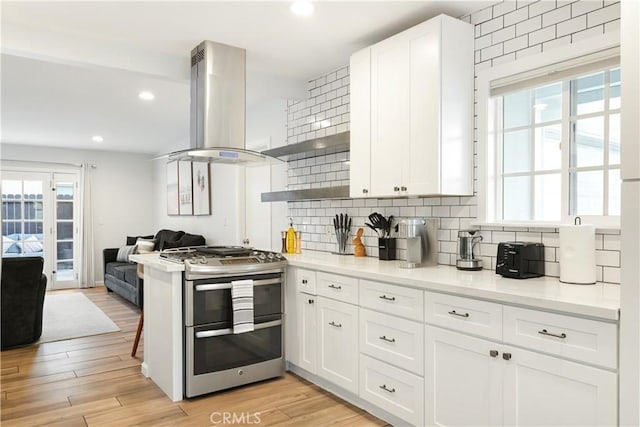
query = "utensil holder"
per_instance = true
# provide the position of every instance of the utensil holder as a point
(342, 238)
(387, 248)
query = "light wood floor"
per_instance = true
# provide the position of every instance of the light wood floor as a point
(93, 381)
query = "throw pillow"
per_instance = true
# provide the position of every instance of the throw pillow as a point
(145, 246)
(125, 252)
(131, 240)
(32, 245)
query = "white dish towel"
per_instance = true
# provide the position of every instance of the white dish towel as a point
(242, 302)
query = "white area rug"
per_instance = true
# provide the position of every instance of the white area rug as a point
(72, 315)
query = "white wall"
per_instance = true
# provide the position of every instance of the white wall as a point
(122, 191)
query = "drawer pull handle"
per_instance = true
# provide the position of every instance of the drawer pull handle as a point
(506, 356)
(454, 313)
(384, 297)
(337, 325)
(545, 332)
(304, 281)
(493, 353)
(385, 388)
(384, 338)
(332, 286)
(310, 301)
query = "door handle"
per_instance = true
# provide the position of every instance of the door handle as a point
(219, 286)
(304, 281)
(506, 356)
(310, 301)
(493, 353)
(396, 188)
(365, 191)
(403, 188)
(384, 338)
(545, 332)
(454, 313)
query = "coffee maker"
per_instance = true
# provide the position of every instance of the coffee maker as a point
(467, 259)
(420, 236)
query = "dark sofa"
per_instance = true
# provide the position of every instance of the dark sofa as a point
(122, 277)
(22, 293)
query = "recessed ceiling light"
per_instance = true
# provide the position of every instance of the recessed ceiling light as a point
(302, 8)
(97, 138)
(146, 95)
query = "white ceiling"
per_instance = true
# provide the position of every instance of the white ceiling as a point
(71, 70)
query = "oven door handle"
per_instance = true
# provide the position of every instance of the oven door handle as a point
(219, 286)
(229, 331)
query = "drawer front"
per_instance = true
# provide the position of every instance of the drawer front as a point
(396, 300)
(337, 287)
(306, 281)
(567, 336)
(394, 390)
(393, 340)
(464, 314)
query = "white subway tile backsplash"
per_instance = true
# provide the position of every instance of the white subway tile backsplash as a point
(529, 25)
(588, 33)
(585, 6)
(557, 15)
(505, 31)
(607, 14)
(516, 16)
(540, 7)
(571, 26)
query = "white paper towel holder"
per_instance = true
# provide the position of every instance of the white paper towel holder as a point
(577, 222)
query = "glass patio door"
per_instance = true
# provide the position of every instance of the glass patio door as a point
(40, 218)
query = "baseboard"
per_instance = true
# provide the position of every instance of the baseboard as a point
(347, 395)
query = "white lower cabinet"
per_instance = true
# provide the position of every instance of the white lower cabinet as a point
(548, 391)
(472, 381)
(394, 390)
(463, 380)
(307, 336)
(337, 327)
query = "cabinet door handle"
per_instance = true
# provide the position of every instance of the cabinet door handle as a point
(332, 286)
(396, 188)
(384, 338)
(384, 297)
(545, 332)
(365, 191)
(454, 313)
(506, 356)
(493, 353)
(385, 388)
(310, 301)
(304, 281)
(337, 325)
(403, 188)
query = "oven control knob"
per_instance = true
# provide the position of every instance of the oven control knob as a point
(261, 256)
(279, 255)
(270, 256)
(203, 260)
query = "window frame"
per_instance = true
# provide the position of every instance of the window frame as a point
(488, 190)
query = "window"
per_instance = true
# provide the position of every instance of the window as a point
(557, 147)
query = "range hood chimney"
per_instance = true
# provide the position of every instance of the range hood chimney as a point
(218, 76)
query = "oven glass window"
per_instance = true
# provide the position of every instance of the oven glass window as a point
(223, 352)
(215, 306)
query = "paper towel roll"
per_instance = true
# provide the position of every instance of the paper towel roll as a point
(578, 254)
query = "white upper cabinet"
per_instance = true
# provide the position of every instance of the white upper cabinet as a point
(412, 112)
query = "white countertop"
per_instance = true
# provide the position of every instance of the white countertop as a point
(601, 300)
(154, 260)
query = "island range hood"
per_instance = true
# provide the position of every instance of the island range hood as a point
(218, 76)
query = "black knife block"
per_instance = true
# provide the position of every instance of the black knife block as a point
(387, 248)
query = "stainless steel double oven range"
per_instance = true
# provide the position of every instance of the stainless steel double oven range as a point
(214, 357)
